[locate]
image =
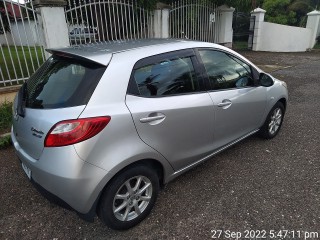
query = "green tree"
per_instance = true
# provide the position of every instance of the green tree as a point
(4, 24)
(302, 8)
(278, 11)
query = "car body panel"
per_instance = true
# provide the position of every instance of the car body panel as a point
(186, 132)
(65, 175)
(31, 130)
(118, 145)
(243, 115)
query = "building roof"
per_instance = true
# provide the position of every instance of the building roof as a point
(13, 9)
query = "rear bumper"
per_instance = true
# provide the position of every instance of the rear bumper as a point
(63, 174)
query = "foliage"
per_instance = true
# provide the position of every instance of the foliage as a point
(5, 142)
(278, 11)
(301, 8)
(5, 116)
(6, 27)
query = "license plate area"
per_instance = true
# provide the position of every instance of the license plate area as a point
(26, 170)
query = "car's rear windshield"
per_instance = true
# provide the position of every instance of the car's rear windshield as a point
(62, 82)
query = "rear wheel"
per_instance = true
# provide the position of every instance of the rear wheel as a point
(129, 197)
(273, 123)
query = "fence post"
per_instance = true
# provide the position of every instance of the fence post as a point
(161, 21)
(226, 31)
(313, 23)
(53, 22)
(259, 14)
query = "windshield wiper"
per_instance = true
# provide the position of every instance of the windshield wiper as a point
(22, 97)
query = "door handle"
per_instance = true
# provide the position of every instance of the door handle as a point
(224, 104)
(151, 119)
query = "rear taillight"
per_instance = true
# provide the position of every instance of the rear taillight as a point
(73, 131)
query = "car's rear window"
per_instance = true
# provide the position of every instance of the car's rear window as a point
(63, 82)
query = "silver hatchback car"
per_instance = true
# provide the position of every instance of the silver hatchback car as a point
(103, 126)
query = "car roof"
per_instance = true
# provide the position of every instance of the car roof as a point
(102, 52)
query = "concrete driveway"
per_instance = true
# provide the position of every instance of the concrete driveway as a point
(269, 187)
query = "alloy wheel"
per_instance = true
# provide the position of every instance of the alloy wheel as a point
(275, 121)
(132, 198)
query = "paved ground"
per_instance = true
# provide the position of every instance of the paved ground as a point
(255, 185)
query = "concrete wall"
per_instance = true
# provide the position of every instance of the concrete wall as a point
(28, 34)
(7, 94)
(3, 40)
(281, 38)
(22, 34)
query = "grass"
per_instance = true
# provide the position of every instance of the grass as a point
(5, 123)
(240, 45)
(21, 63)
(5, 142)
(5, 117)
(317, 46)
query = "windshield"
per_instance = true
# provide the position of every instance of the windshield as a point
(62, 82)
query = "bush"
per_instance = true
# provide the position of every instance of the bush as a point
(5, 142)
(5, 117)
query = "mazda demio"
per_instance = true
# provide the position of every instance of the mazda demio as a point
(103, 126)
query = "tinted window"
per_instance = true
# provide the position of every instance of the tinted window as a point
(226, 71)
(62, 82)
(168, 77)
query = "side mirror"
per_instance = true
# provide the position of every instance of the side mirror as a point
(265, 80)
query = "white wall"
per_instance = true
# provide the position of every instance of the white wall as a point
(25, 33)
(3, 40)
(281, 38)
(22, 35)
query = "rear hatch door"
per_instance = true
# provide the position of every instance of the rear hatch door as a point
(59, 90)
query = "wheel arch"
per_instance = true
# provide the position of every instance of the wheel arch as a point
(152, 163)
(284, 102)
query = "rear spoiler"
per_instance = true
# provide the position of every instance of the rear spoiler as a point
(102, 58)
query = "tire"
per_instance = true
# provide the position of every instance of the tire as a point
(272, 125)
(131, 206)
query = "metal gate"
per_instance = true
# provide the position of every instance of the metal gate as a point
(21, 51)
(251, 32)
(192, 20)
(98, 20)
(243, 30)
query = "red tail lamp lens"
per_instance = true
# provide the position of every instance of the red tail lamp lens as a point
(73, 131)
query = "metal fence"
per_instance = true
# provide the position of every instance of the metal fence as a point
(21, 51)
(97, 20)
(194, 20)
(89, 21)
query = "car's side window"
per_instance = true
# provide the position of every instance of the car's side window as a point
(225, 71)
(165, 77)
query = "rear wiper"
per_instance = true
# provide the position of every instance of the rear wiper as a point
(22, 97)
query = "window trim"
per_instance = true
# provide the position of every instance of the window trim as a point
(254, 72)
(133, 88)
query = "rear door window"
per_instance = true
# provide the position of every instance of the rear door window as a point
(167, 74)
(63, 82)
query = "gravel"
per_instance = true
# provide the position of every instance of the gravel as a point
(256, 185)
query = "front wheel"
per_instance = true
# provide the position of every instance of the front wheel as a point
(129, 197)
(273, 123)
